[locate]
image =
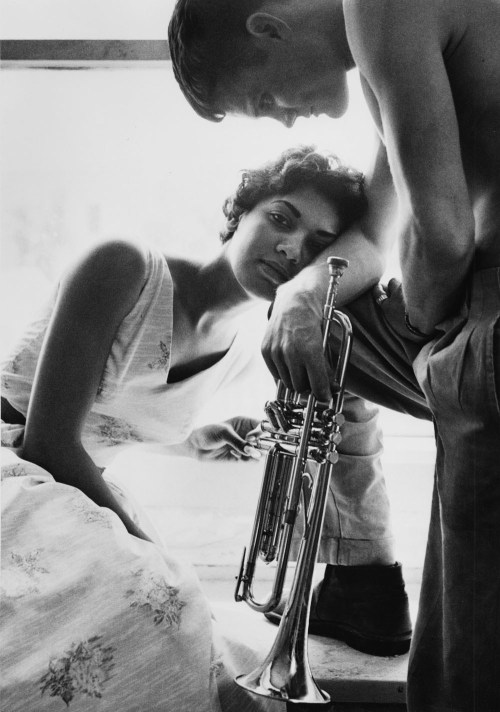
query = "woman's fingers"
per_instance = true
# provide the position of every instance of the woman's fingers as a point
(226, 442)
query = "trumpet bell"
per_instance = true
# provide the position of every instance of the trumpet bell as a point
(287, 680)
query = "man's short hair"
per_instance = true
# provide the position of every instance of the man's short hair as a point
(299, 167)
(208, 42)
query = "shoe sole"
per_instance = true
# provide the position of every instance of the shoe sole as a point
(354, 639)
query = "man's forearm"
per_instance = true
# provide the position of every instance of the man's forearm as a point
(435, 267)
(366, 266)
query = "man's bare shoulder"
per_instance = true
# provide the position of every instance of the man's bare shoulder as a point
(381, 30)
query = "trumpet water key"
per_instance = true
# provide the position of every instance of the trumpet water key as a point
(299, 430)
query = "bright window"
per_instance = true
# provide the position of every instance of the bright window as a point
(85, 19)
(89, 154)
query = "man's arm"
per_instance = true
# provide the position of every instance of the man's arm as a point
(397, 47)
(292, 346)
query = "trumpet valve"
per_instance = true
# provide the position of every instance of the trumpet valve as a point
(333, 457)
(336, 438)
(277, 417)
(327, 416)
(271, 415)
(317, 455)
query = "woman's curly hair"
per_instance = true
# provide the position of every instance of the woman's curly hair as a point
(295, 168)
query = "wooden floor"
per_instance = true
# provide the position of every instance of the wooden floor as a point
(355, 682)
(349, 677)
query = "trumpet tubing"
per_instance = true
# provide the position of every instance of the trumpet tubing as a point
(299, 431)
(281, 464)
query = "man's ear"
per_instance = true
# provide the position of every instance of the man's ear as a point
(262, 25)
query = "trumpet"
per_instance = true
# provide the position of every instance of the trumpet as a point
(297, 430)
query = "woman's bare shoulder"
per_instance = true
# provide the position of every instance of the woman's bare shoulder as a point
(113, 265)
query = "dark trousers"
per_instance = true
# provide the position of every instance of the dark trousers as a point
(455, 380)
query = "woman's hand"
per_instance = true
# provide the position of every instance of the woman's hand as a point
(225, 441)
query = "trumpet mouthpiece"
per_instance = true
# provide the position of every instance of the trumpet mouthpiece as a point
(336, 262)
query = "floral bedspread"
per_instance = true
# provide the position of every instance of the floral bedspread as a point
(93, 618)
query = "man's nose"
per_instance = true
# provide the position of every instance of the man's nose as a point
(287, 117)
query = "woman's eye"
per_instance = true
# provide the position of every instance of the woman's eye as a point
(279, 218)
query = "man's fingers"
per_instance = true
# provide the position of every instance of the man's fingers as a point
(304, 372)
(309, 371)
(300, 378)
(320, 378)
(393, 286)
(275, 365)
(282, 370)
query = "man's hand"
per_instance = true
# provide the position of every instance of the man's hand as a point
(224, 441)
(293, 344)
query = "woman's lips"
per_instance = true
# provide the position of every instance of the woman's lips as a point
(274, 273)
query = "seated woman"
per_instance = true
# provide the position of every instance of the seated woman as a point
(130, 345)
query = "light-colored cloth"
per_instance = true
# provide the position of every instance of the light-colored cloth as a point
(134, 403)
(357, 528)
(93, 618)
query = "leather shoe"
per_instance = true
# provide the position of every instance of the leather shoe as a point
(364, 606)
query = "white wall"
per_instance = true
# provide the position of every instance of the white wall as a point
(93, 153)
(85, 19)
(90, 154)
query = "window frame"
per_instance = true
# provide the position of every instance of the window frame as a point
(76, 54)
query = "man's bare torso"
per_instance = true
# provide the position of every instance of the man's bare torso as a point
(472, 59)
(468, 32)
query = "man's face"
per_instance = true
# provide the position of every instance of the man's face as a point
(295, 80)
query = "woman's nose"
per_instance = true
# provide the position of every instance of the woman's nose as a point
(292, 250)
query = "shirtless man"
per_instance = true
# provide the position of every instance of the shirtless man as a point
(430, 71)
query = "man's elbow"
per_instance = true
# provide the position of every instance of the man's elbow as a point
(462, 237)
(443, 239)
(436, 259)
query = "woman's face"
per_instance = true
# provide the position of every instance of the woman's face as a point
(279, 237)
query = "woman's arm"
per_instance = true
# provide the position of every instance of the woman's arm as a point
(93, 299)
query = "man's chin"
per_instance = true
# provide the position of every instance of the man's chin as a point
(334, 112)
